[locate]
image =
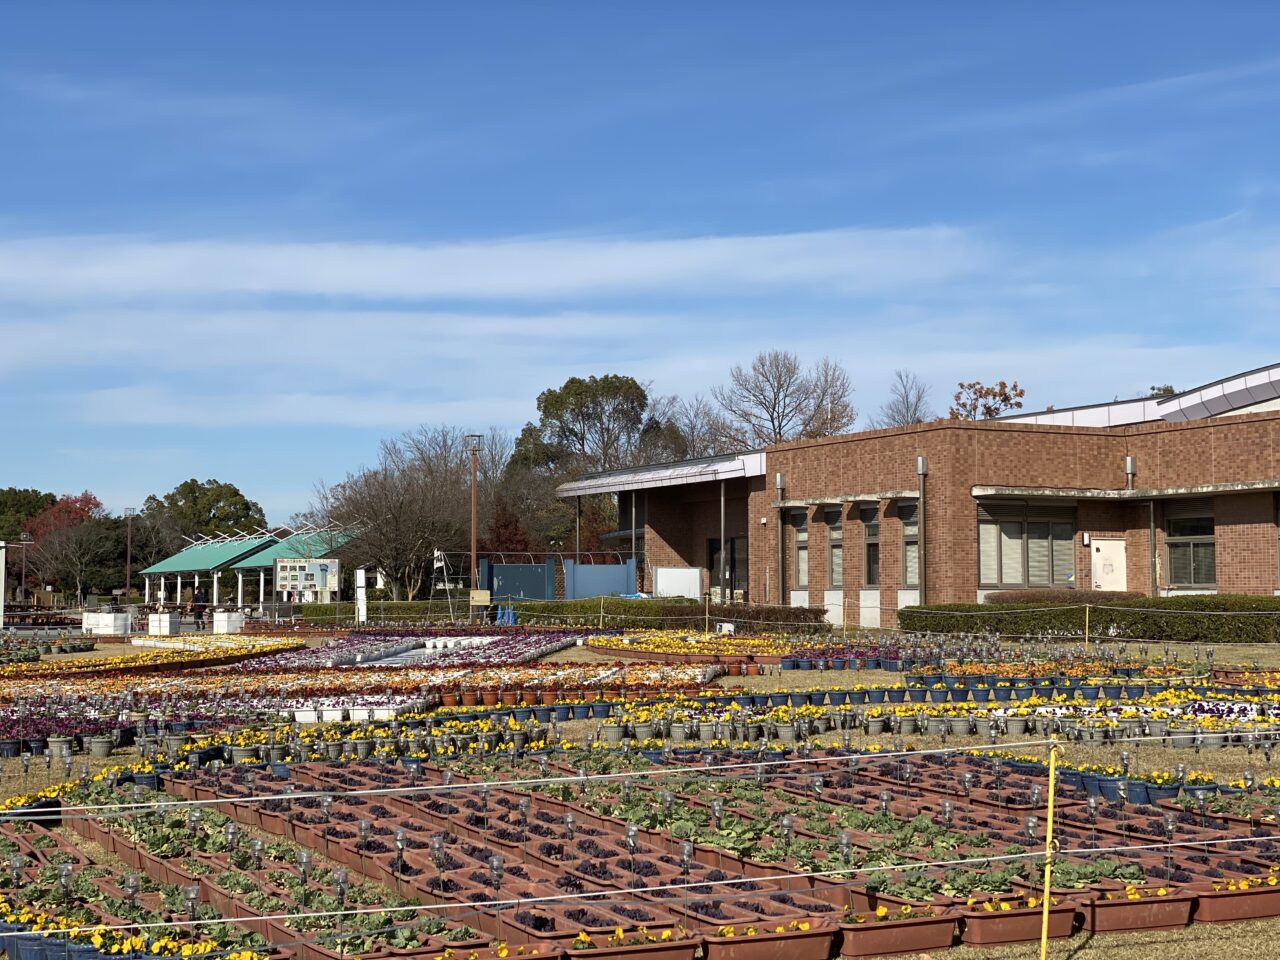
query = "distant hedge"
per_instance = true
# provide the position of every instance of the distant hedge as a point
(1150, 618)
(675, 615)
(1045, 596)
(671, 614)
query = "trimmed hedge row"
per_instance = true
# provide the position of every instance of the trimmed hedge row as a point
(1044, 596)
(665, 613)
(1151, 618)
(671, 614)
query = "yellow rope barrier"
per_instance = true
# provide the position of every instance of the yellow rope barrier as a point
(1054, 751)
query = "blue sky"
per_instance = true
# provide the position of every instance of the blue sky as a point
(248, 241)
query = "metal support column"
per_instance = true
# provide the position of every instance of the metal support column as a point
(724, 552)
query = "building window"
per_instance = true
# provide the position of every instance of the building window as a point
(835, 548)
(870, 517)
(1189, 542)
(1030, 550)
(910, 544)
(800, 568)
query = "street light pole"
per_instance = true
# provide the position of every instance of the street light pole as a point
(23, 540)
(473, 440)
(128, 551)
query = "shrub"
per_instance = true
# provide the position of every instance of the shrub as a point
(674, 614)
(1149, 618)
(1044, 596)
(665, 613)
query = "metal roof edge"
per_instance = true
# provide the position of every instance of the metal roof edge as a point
(1156, 493)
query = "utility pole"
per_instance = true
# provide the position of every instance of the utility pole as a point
(473, 440)
(128, 550)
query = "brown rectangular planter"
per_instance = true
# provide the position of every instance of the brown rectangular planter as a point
(1016, 926)
(1219, 906)
(1146, 913)
(885, 938)
(811, 944)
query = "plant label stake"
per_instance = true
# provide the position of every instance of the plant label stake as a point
(304, 871)
(397, 868)
(437, 857)
(495, 874)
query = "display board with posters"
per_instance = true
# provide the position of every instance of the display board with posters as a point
(305, 580)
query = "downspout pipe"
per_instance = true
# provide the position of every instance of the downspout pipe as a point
(780, 485)
(922, 472)
(1151, 514)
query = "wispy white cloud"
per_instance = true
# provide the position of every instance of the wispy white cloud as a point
(243, 127)
(1055, 110)
(168, 405)
(851, 262)
(354, 344)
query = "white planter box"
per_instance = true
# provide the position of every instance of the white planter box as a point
(228, 622)
(105, 624)
(162, 624)
(332, 714)
(360, 713)
(306, 716)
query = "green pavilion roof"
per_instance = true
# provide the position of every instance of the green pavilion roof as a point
(304, 546)
(212, 555)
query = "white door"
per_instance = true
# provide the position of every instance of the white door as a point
(1108, 565)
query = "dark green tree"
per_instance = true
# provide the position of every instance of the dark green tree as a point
(211, 508)
(18, 507)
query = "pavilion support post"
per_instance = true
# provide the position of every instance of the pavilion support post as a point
(239, 588)
(217, 576)
(146, 591)
(262, 588)
(178, 599)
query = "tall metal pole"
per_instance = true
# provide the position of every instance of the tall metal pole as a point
(128, 551)
(475, 470)
(3, 585)
(22, 587)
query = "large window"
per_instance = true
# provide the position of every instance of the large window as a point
(835, 548)
(910, 544)
(800, 566)
(870, 517)
(1026, 546)
(1189, 542)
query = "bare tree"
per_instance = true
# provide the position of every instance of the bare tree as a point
(908, 402)
(70, 554)
(414, 501)
(701, 427)
(776, 400)
(976, 401)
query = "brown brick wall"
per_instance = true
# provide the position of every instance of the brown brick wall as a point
(1245, 543)
(962, 455)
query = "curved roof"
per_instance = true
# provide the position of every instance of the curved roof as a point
(210, 555)
(303, 546)
(1233, 394)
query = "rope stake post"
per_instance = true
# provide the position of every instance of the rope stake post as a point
(707, 625)
(1054, 751)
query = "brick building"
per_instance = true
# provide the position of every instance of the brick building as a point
(1166, 495)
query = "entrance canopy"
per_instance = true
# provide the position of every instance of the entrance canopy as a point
(210, 555)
